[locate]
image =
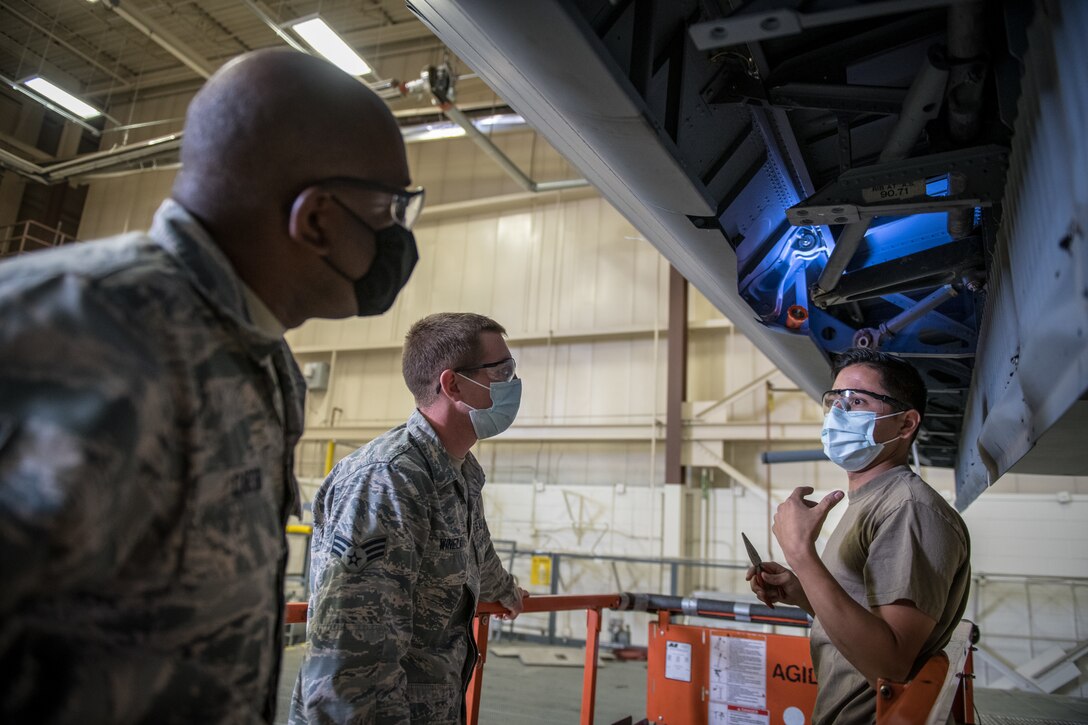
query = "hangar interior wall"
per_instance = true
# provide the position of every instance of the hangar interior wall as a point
(584, 299)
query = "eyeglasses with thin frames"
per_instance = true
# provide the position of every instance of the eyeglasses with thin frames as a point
(405, 205)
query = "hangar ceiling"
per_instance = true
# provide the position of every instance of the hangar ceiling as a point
(109, 49)
(112, 53)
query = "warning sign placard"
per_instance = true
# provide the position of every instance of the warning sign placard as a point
(738, 678)
(725, 677)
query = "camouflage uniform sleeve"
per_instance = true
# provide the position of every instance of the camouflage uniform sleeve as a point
(82, 437)
(84, 470)
(496, 584)
(375, 529)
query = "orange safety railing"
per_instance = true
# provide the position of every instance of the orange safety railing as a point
(296, 613)
(592, 603)
(941, 688)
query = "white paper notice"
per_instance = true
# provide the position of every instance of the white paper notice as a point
(678, 661)
(722, 714)
(738, 681)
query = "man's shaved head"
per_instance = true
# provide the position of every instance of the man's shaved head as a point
(269, 122)
(261, 138)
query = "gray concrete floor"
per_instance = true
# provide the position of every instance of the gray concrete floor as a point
(1011, 707)
(516, 694)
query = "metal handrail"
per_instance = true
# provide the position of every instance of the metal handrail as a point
(945, 677)
(592, 603)
(24, 236)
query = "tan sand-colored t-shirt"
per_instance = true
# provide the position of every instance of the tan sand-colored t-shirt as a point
(898, 540)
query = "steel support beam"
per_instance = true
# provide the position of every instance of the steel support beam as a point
(488, 147)
(61, 171)
(921, 104)
(946, 263)
(676, 382)
(641, 430)
(163, 38)
(124, 83)
(838, 97)
(762, 25)
(872, 337)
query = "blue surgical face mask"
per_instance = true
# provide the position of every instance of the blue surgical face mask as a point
(848, 438)
(505, 401)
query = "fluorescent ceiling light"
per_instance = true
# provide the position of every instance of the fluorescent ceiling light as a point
(61, 97)
(499, 120)
(448, 129)
(432, 132)
(325, 41)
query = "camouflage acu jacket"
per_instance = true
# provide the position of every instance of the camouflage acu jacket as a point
(400, 555)
(145, 479)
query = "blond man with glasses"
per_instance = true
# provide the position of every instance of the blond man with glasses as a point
(401, 553)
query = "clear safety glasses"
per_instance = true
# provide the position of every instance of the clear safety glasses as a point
(502, 371)
(859, 400)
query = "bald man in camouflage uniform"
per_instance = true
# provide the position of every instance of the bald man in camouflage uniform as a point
(149, 407)
(401, 553)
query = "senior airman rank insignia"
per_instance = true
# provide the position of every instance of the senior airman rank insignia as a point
(356, 557)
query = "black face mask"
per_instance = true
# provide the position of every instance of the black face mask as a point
(395, 257)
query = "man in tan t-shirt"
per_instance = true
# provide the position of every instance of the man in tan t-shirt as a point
(895, 574)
